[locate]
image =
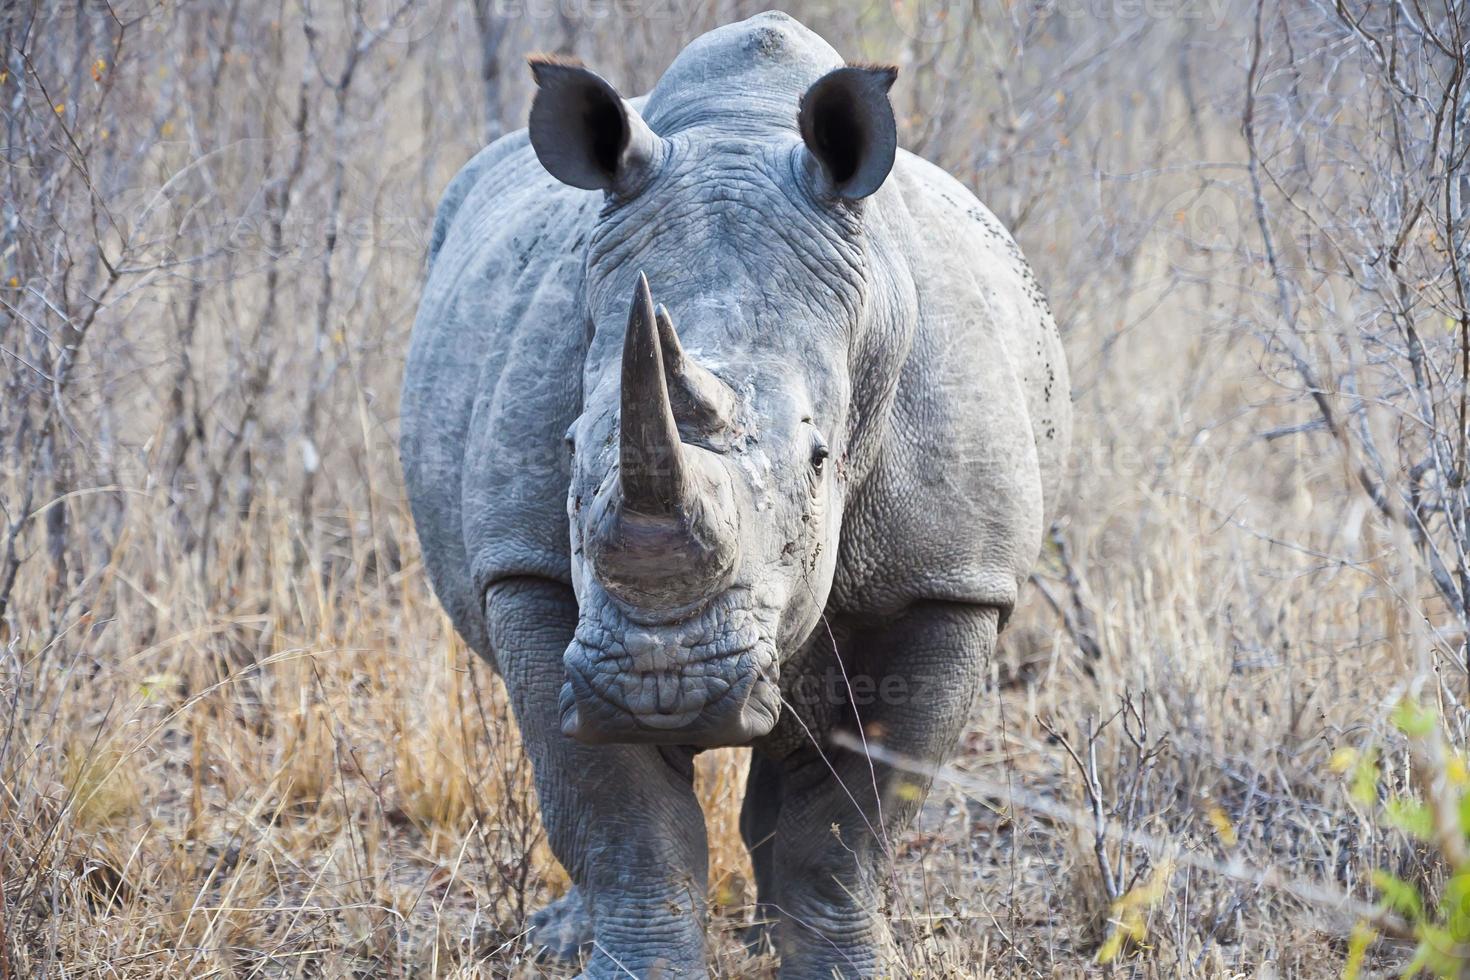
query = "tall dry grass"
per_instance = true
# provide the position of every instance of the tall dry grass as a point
(240, 738)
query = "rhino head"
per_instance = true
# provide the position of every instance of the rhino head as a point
(726, 276)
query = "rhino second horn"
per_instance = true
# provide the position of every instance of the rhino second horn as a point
(700, 400)
(651, 456)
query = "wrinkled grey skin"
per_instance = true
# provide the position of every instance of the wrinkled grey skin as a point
(869, 408)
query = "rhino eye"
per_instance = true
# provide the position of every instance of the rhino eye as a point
(819, 457)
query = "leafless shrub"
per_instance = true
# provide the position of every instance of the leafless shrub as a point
(1358, 129)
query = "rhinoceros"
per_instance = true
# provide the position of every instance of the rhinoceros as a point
(727, 422)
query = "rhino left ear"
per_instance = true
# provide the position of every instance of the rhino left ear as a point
(584, 133)
(847, 124)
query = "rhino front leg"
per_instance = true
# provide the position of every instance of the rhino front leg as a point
(622, 819)
(909, 688)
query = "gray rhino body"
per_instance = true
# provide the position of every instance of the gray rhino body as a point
(862, 399)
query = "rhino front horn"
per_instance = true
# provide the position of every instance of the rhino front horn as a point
(651, 456)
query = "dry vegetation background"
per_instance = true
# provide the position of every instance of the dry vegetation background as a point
(237, 736)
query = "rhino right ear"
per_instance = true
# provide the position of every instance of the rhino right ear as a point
(584, 133)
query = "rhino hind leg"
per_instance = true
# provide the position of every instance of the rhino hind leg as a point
(758, 816)
(841, 816)
(562, 931)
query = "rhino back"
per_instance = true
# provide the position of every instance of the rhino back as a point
(493, 379)
(974, 444)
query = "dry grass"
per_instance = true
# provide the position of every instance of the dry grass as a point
(290, 773)
(240, 738)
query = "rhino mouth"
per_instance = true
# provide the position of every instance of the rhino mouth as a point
(707, 681)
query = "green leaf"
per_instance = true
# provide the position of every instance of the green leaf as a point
(1438, 954)
(1112, 947)
(1362, 937)
(1413, 719)
(1365, 779)
(1410, 816)
(1418, 963)
(1399, 895)
(1454, 908)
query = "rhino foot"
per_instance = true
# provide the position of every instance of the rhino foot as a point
(563, 929)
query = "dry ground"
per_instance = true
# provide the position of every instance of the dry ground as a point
(239, 737)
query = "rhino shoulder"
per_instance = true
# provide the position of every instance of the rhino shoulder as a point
(1019, 320)
(971, 456)
(490, 341)
(476, 169)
